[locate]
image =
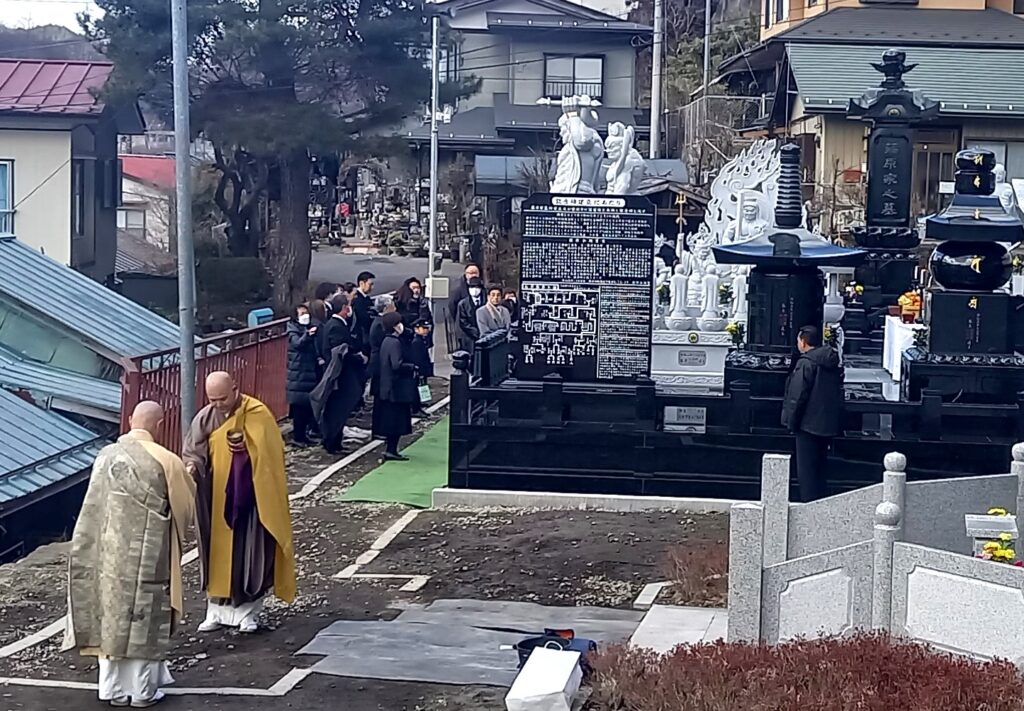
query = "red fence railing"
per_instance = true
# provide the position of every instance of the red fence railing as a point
(257, 357)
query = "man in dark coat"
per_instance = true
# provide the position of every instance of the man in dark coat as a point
(812, 409)
(362, 308)
(303, 372)
(346, 378)
(461, 290)
(465, 315)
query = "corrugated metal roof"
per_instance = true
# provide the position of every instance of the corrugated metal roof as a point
(100, 317)
(21, 373)
(911, 26)
(39, 448)
(963, 81)
(52, 86)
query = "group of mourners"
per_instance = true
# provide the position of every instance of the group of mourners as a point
(125, 589)
(477, 312)
(347, 349)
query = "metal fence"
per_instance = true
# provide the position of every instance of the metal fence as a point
(256, 357)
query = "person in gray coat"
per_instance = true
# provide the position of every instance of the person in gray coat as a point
(493, 316)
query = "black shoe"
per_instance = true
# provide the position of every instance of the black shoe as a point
(395, 457)
(302, 443)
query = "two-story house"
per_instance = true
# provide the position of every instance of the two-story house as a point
(60, 183)
(816, 55)
(523, 51)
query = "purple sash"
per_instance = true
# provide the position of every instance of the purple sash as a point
(240, 499)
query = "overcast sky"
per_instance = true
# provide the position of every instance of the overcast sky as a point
(30, 13)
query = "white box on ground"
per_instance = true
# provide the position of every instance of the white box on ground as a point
(547, 682)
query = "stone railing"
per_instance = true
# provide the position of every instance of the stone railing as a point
(894, 556)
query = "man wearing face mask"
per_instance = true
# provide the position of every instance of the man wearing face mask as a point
(461, 290)
(468, 330)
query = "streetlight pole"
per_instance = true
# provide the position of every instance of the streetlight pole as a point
(183, 210)
(435, 71)
(656, 58)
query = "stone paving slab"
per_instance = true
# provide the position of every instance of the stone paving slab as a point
(665, 627)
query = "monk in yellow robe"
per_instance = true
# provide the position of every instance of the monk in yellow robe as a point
(235, 451)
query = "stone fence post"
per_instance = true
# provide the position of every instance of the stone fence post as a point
(1017, 469)
(775, 501)
(746, 553)
(888, 529)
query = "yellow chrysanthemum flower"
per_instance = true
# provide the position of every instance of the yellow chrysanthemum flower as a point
(1004, 536)
(990, 546)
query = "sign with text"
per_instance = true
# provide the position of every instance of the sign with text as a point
(890, 167)
(691, 420)
(586, 287)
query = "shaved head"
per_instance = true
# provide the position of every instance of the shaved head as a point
(222, 391)
(147, 415)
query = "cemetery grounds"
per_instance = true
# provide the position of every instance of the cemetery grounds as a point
(555, 558)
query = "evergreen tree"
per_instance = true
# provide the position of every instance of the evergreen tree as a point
(273, 82)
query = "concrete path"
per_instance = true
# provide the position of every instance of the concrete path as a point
(665, 627)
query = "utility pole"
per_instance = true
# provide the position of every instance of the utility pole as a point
(183, 198)
(707, 53)
(656, 60)
(435, 79)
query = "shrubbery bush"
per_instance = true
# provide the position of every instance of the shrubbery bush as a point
(864, 672)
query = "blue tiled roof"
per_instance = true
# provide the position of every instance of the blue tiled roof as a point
(100, 317)
(21, 373)
(39, 448)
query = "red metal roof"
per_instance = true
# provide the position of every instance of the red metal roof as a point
(155, 170)
(51, 86)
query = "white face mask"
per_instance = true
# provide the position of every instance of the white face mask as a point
(475, 291)
(304, 319)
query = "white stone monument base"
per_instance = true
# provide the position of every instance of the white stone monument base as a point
(690, 361)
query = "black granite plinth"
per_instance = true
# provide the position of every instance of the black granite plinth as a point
(764, 373)
(780, 304)
(964, 379)
(965, 322)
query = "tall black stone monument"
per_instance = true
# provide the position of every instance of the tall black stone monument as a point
(786, 290)
(889, 235)
(973, 328)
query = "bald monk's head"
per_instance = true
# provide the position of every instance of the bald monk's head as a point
(222, 392)
(147, 416)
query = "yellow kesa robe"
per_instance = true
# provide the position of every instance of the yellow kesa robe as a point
(266, 449)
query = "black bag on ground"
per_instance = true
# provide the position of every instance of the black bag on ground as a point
(565, 640)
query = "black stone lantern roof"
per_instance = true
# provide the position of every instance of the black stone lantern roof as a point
(789, 244)
(975, 214)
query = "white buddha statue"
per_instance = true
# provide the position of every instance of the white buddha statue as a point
(1004, 190)
(678, 318)
(739, 294)
(710, 318)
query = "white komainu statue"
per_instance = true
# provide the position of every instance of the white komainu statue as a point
(627, 165)
(578, 165)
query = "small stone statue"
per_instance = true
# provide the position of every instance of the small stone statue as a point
(739, 294)
(1004, 190)
(578, 164)
(661, 275)
(694, 294)
(710, 319)
(627, 165)
(678, 319)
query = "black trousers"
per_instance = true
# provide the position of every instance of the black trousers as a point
(302, 421)
(811, 458)
(391, 444)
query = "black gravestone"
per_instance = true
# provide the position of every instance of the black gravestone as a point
(586, 288)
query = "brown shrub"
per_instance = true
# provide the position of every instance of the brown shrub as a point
(864, 672)
(699, 574)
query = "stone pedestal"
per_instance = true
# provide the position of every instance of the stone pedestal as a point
(690, 361)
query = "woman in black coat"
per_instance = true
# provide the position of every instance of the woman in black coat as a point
(411, 304)
(303, 372)
(397, 390)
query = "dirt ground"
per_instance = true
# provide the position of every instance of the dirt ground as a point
(549, 557)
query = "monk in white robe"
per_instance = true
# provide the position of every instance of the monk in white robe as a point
(235, 451)
(124, 572)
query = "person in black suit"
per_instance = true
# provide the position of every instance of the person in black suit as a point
(392, 407)
(465, 319)
(461, 290)
(362, 307)
(345, 393)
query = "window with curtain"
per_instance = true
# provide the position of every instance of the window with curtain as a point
(568, 76)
